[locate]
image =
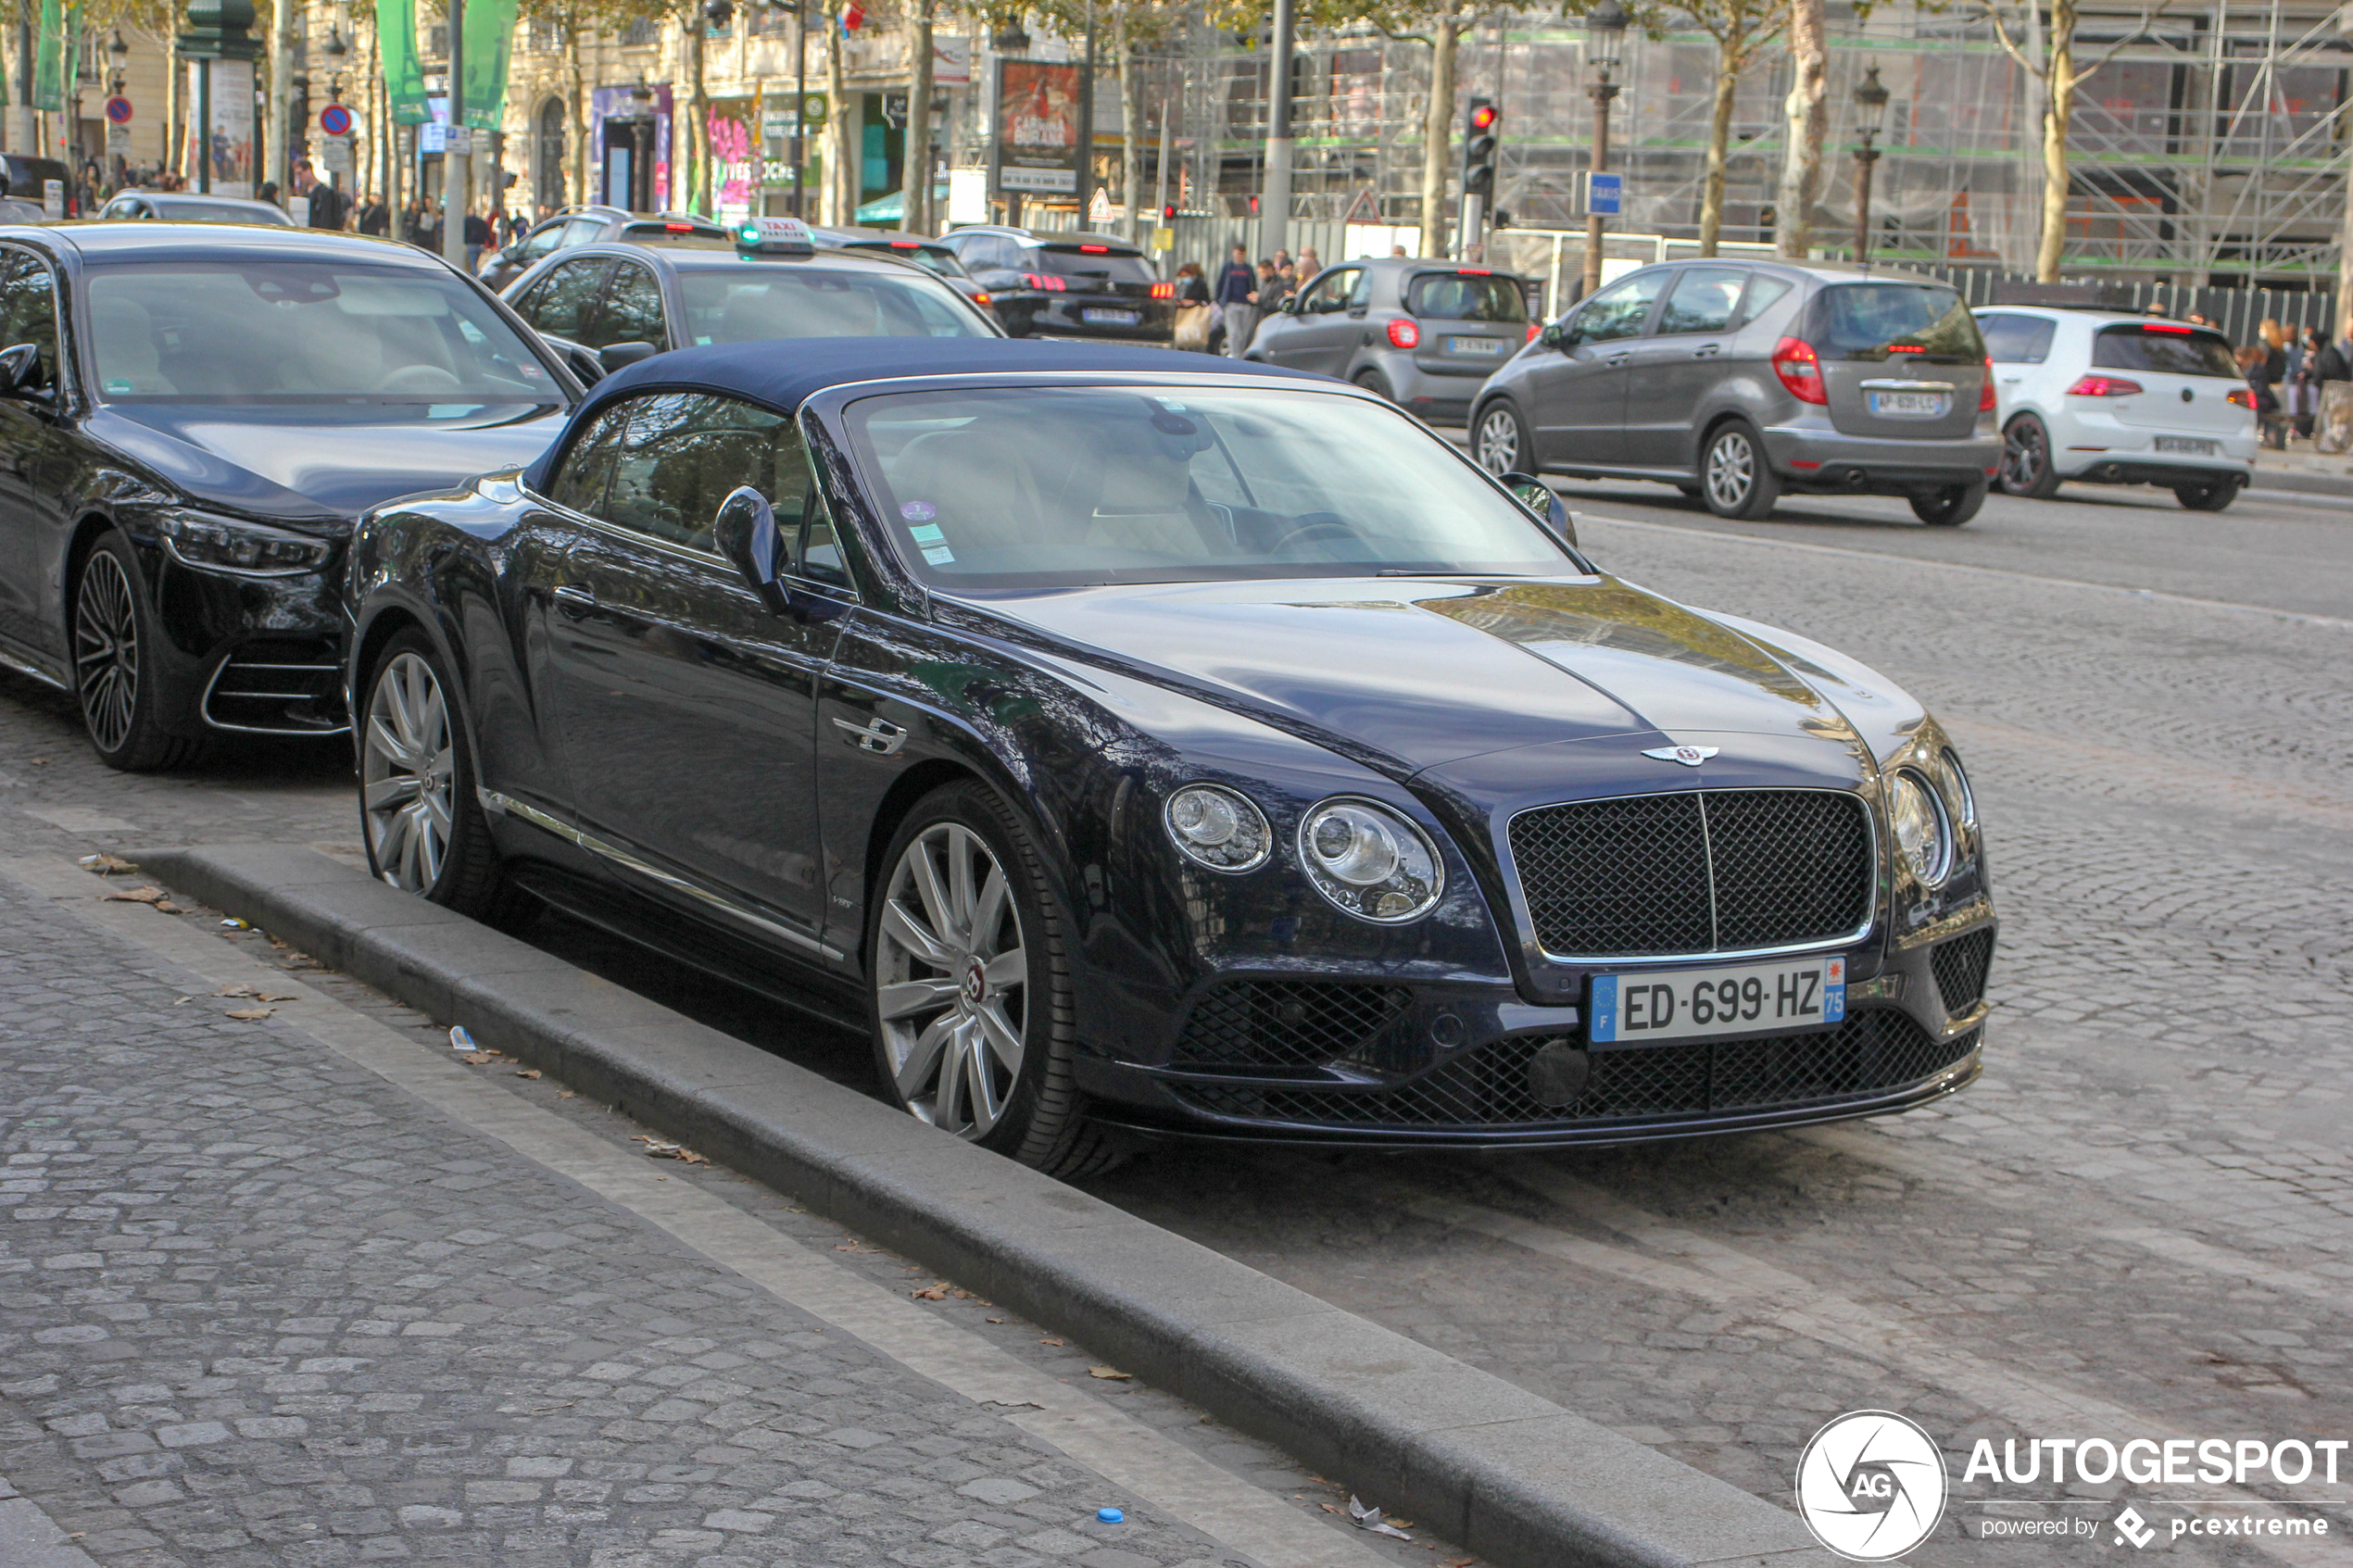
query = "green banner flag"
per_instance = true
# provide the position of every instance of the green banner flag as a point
(490, 38)
(404, 73)
(49, 59)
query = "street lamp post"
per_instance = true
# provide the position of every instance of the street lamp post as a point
(1871, 99)
(1604, 35)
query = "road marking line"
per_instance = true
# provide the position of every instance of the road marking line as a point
(2159, 595)
(1712, 1272)
(1115, 1446)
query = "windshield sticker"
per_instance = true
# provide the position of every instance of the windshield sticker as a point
(117, 383)
(919, 511)
(928, 534)
(940, 555)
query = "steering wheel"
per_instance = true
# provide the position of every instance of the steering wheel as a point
(1314, 527)
(419, 378)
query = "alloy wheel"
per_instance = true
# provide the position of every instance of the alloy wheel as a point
(2024, 455)
(1499, 442)
(1731, 470)
(952, 981)
(106, 650)
(408, 774)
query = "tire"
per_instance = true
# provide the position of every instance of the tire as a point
(419, 815)
(1735, 480)
(1500, 442)
(1950, 506)
(2211, 497)
(1693, 493)
(962, 891)
(2026, 469)
(1374, 383)
(112, 627)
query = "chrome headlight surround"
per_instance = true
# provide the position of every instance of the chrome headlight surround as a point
(207, 542)
(1369, 861)
(1218, 828)
(1959, 799)
(1921, 825)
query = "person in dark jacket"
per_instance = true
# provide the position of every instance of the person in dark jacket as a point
(1237, 282)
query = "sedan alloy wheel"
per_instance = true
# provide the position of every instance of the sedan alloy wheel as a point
(1736, 481)
(952, 981)
(408, 774)
(105, 651)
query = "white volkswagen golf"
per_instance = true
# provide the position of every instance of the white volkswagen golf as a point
(2105, 398)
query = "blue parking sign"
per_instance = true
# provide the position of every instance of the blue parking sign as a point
(1605, 194)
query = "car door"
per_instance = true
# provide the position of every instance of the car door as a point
(1319, 333)
(33, 456)
(684, 705)
(1673, 368)
(564, 304)
(1579, 390)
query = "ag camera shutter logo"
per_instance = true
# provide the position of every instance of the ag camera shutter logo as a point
(1870, 1486)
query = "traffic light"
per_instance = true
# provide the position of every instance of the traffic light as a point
(1480, 148)
(1169, 213)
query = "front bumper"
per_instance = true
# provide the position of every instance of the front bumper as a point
(1813, 457)
(1450, 1067)
(250, 655)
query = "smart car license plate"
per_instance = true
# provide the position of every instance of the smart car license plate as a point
(2187, 443)
(1474, 346)
(1109, 317)
(1909, 405)
(1758, 998)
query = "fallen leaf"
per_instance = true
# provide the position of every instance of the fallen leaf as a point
(165, 907)
(932, 1292)
(854, 1247)
(251, 1012)
(568, 1094)
(996, 1320)
(476, 1059)
(144, 895)
(1111, 1374)
(104, 865)
(1049, 1342)
(526, 1072)
(237, 991)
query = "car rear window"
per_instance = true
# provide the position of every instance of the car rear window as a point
(1108, 262)
(1876, 321)
(931, 258)
(2168, 350)
(1466, 296)
(639, 233)
(2017, 339)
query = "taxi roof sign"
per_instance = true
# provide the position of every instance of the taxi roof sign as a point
(774, 236)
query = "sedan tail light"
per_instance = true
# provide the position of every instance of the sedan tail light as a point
(2243, 397)
(1800, 369)
(2102, 386)
(1985, 394)
(1532, 330)
(1164, 291)
(1403, 333)
(1046, 280)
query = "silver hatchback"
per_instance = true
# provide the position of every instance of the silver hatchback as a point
(1422, 334)
(1737, 380)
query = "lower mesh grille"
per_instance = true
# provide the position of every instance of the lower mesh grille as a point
(1870, 1053)
(1961, 966)
(1285, 1023)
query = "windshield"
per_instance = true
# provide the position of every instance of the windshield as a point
(1047, 487)
(786, 299)
(2176, 351)
(1466, 296)
(304, 332)
(1870, 321)
(931, 258)
(1096, 262)
(216, 212)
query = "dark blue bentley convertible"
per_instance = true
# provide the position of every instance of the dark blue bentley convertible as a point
(1136, 747)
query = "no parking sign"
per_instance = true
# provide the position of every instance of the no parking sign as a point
(118, 126)
(336, 120)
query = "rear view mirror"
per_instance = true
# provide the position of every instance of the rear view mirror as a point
(1551, 336)
(1540, 498)
(746, 532)
(616, 355)
(20, 371)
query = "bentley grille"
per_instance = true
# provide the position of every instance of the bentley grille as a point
(1701, 872)
(1959, 967)
(1285, 1023)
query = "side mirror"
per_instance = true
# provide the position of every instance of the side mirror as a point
(746, 532)
(1551, 336)
(1544, 502)
(19, 370)
(617, 355)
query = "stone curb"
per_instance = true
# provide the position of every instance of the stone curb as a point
(1475, 1458)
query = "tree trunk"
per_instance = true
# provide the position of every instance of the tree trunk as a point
(575, 57)
(2055, 116)
(844, 178)
(175, 71)
(275, 165)
(915, 187)
(1805, 116)
(1719, 137)
(698, 104)
(1131, 129)
(1438, 133)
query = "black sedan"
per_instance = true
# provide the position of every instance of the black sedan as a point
(1067, 286)
(191, 415)
(1135, 750)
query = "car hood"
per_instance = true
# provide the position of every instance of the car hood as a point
(1414, 674)
(300, 465)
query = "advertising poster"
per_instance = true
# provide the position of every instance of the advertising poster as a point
(1038, 127)
(735, 175)
(228, 150)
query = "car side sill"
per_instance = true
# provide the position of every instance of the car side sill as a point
(27, 668)
(499, 805)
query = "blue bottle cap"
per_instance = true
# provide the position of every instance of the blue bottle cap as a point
(1111, 1516)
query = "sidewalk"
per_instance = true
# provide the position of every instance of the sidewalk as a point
(2303, 471)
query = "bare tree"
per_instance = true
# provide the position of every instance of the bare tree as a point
(2055, 67)
(1741, 29)
(915, 187)
(1806, 118)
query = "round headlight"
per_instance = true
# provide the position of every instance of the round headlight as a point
(1922, 837)
(1956, 789)
(1370, 861)
(1218, 828)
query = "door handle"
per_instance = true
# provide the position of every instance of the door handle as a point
(573, 600)
(1706, 351)
(1618, 360)
(2011, 381)
(1368, 338)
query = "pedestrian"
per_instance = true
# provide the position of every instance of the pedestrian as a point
(478, 239)
(1236, 284)
(2335, 361)
(1195, 313)
(371, 217)
(2271, 339)
(1309, 263)
(2255, 364)
(1397, 251)
(2303, 386)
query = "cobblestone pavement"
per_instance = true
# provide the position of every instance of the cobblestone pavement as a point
(2139, 1223)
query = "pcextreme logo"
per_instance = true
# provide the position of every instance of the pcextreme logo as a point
(1870, 1486)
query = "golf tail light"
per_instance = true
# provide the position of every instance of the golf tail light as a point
(1404, 334)
(1369, 861)
(1218, 828)
(2243, 397)
(2102, 386)
(1800, 369)
(1985, 393)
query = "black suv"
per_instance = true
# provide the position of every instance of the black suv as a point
(1067, 286)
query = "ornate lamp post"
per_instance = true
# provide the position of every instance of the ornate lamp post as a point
(1604, 37)
(1871, 99)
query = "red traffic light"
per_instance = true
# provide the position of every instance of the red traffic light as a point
(1169, 213)
(1483, 117)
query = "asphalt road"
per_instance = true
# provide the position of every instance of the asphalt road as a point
(2139, 1223)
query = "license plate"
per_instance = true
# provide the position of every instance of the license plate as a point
(2187, 443)
(1909, 405)
(1475, 345)
(1109, 317)
(1758, 998)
